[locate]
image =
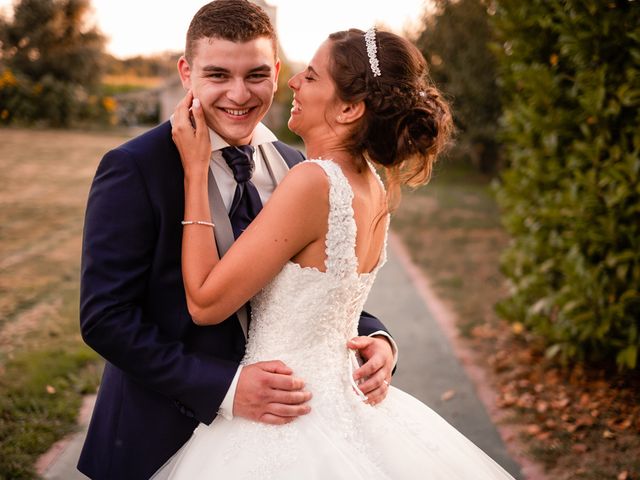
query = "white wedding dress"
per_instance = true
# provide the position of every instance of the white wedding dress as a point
(304, 317)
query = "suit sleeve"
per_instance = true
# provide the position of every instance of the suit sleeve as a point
(369, 324)
(118, 244)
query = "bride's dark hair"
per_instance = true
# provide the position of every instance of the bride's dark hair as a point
(406, 123)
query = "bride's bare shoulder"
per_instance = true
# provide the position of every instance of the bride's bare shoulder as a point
(307, 178)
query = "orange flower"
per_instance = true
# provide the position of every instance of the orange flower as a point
(8, 78)
(109, 104)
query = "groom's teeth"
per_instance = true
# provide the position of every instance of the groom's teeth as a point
(237, 113)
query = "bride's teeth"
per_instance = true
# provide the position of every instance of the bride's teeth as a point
(237, 113)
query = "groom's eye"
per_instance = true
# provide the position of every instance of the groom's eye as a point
(258, 76)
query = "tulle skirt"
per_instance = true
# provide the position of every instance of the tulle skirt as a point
(401, 438)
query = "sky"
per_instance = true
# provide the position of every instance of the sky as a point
(152, 26)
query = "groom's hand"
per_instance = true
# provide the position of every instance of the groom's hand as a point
(375, 373)
(268, 392)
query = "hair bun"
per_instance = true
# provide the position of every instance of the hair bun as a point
(417, 132)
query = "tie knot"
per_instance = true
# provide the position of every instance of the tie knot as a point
(240, 161)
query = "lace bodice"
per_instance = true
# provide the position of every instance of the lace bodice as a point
(304, 316)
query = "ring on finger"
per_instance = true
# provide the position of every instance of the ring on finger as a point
(385, 382)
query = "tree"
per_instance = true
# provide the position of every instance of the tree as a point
(456, 42)
(50, 37)
(56, 56)
(570, 72)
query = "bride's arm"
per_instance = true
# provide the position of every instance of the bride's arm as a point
(294, 217)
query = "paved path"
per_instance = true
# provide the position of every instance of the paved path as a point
(428, 369)
(427, 365)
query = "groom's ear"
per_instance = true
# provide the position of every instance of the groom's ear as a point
(277, 66)
(184, 69)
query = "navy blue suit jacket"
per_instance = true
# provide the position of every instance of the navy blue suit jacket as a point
(163, 373)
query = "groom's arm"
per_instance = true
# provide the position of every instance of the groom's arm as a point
(119, 242)
(380, 354)
(370, 326)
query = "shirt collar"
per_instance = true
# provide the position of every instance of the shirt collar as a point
(261, 135)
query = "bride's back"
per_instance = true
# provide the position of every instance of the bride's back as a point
(370, 215)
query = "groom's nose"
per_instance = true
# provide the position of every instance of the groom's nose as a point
(238, 92)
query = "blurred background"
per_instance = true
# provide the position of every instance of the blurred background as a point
(529, 230)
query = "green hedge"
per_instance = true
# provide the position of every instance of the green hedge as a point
(570, 196)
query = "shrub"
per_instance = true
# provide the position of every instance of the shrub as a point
(49, 101)
(571, 192)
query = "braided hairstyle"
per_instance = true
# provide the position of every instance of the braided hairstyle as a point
(406, 123)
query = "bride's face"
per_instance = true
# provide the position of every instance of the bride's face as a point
(314, 96)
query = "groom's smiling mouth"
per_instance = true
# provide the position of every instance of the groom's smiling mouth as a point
(237, 112)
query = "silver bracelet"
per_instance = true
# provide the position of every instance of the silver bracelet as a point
(197, 222)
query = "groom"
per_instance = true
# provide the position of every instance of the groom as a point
(164, 374)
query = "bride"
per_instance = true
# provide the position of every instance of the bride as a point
(308, 262)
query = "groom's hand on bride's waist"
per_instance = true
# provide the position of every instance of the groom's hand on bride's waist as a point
(268, 392)
(374, 375)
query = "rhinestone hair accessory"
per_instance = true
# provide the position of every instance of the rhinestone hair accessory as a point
(372, 50)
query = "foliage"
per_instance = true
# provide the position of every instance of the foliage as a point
(49, 37)
(51, 64)
(571, 192)
(147, 66)
(49, 100)
(455, 40)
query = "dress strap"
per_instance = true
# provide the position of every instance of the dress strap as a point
(341, 235)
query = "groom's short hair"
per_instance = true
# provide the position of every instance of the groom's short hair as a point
(234, 20)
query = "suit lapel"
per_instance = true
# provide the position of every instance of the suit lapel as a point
(220, 217)
(276, 165)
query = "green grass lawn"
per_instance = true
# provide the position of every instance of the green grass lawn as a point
(45, 368)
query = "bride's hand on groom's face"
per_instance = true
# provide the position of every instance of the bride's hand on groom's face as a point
(268, 392)
(191, 135)
(375, 373)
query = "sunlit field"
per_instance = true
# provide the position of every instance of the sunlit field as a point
(45, 368)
